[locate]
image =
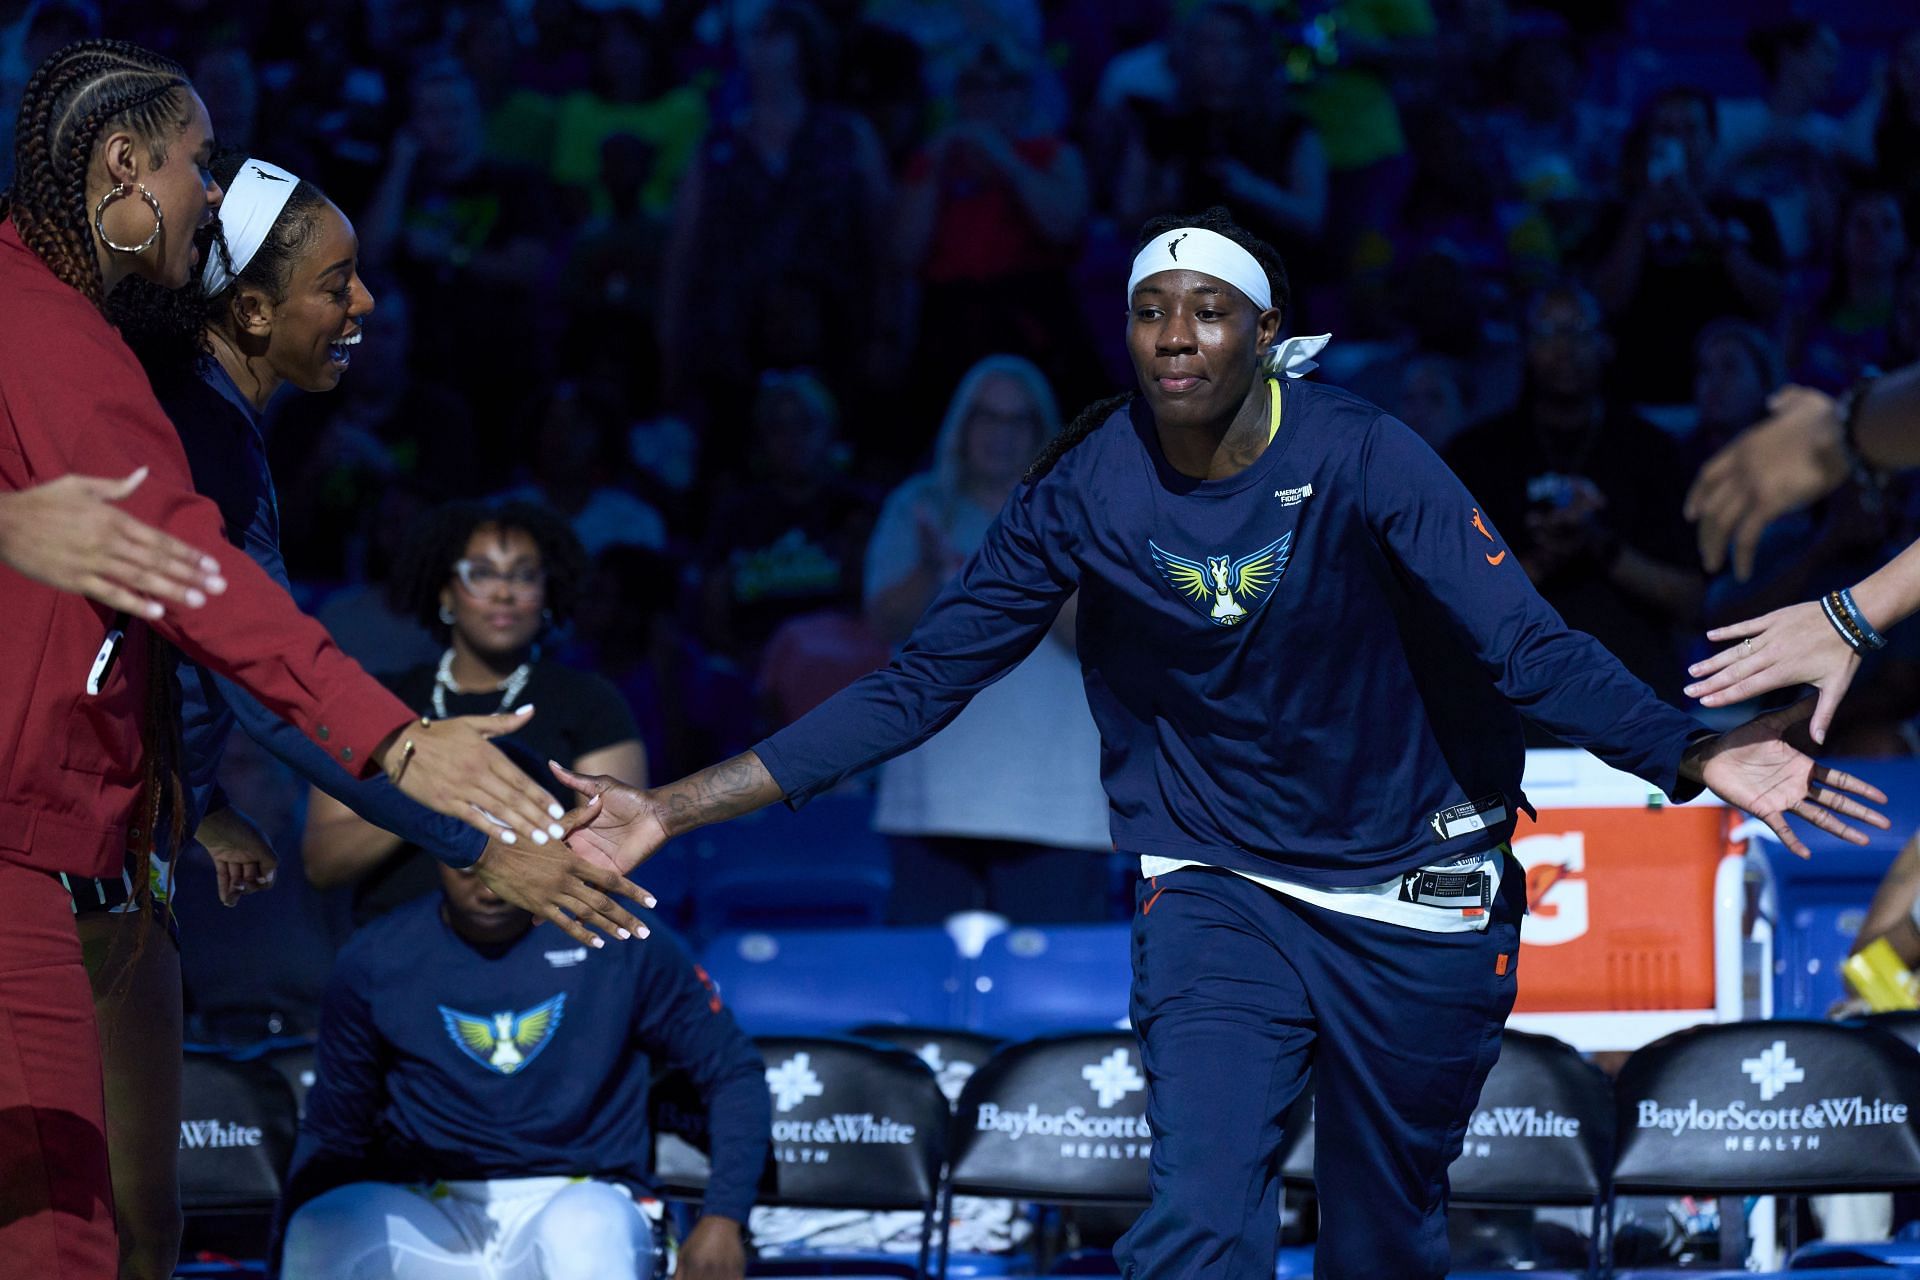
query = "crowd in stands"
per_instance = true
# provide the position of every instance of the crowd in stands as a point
(771, 300)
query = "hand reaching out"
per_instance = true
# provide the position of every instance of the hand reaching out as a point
(1756, 769)
(453, 768)
(243, 860)
(68, 534)
(1788, 460)
(1794, 645)
(620, 826)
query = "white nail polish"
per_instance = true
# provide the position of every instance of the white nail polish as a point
(624, 935)
(507, 837)
(523, 709)
(557, 831)
(645, 932)
(195, 598)
(555, 811)
(599, 942)
(539, 836)
(651, 902)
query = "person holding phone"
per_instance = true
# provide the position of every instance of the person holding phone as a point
(1673, 254)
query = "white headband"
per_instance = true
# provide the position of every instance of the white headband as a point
(1209, 253)
(1212, 254)
(247, 214)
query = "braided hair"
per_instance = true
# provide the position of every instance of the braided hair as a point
(167, 328)
(1217, 220)
(74, 98)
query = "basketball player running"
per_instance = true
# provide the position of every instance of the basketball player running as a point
(1308, 652)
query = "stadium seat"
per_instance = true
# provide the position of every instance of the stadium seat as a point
(237, 1125)
(1542, 1134)
(1768, 1108)
(1903, 1026)
(952, 1055)
(821, 866)
(855, 1125)
(820, 981)
(1044, 981)
(1058, 1120)
(1819, 901)
(294, 1062)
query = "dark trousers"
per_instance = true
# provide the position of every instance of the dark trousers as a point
(1240, 996)
(56, 1198)
(935, 876)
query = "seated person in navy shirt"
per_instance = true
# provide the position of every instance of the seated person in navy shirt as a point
(480, 1102)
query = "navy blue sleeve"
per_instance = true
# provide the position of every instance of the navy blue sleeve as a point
(203, 741)
(679, 1019)
(375, 799)
(1563, 680)
(337, 1133)
(980, 626)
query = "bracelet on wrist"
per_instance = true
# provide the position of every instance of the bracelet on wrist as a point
(1850, 623)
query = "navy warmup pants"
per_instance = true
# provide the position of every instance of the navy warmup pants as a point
(1240, 995)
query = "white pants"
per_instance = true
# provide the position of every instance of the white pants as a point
(506, 1229)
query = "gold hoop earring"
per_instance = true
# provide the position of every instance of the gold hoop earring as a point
(120, 192)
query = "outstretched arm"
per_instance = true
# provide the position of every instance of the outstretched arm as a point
(68, 534)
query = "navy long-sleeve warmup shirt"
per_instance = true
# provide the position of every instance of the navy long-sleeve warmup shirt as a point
(439, 1059)
(1314, 669)
(221, 434)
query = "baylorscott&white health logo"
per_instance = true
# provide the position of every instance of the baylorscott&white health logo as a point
(1794, 1126)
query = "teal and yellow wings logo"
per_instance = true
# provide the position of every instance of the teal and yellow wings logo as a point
(1226, 589)
(505, 1042)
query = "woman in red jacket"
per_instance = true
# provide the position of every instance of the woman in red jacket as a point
(110, 155)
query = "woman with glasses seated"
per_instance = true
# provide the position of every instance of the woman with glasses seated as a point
(491, 579)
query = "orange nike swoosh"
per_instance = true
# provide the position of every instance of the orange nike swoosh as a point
(1497, 559)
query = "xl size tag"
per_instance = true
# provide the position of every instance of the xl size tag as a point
(1465, 819)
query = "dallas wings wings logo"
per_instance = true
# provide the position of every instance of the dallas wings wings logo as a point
(1226, 589)
(505, 1043)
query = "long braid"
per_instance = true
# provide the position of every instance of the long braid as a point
(73, 98)
(1216, 219)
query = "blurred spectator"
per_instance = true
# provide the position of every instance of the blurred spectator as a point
(519, 117)
(228, 82)
(1781, 147)
(39, 28)
(1451, 206)
(949, 35)
(366, 618)
(491, 580)
(607, 286)
(1433, 398)
(1588, 495)
(1849, 331)
(1896, 134)
(1671, 255)
(1556, 145)
(568, 467)
(809, 658)
(691, 707)
(788, 541)
(1801, 556)
(468, 237)
(392, 422)
(626, 97)
(990, 217)
(1002, 810)
(777, 228)
(1226, 134)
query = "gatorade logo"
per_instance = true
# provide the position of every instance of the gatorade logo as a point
(1557, 909)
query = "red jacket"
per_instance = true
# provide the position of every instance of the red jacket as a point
(74, 398)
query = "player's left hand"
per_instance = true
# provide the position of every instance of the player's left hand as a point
(712, 1251)
(1757, 769)
(243, 860)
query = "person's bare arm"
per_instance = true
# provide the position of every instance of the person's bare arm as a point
(625, 825)
(339, 846)
(1891, 914)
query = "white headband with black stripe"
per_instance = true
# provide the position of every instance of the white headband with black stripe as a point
(248, 211)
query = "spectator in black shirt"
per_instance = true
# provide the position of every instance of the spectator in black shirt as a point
(1672, 256)
(1589, 495)
(491, 580)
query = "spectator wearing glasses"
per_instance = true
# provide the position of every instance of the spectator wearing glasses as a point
(490, 580)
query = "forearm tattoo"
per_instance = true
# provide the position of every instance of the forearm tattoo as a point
(726, 790)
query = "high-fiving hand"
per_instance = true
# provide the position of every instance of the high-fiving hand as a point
(1756, 768)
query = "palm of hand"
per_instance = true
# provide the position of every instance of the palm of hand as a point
(1761, 774)
(621, 832)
